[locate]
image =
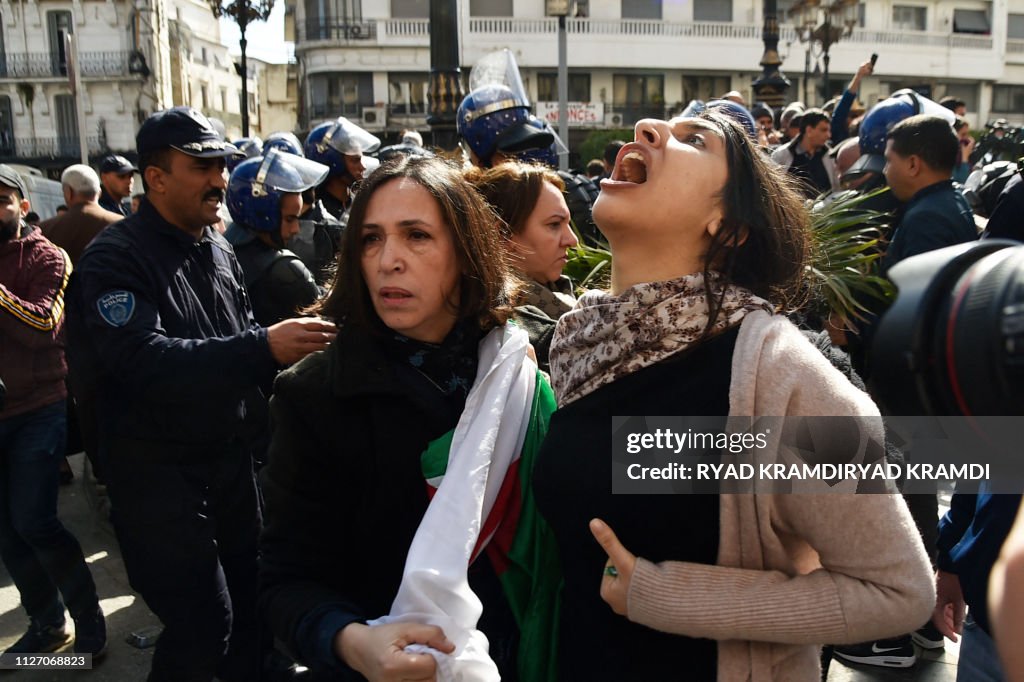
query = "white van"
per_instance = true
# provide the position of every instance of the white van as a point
(44, 195)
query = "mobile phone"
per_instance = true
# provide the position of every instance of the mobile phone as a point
(874, 58)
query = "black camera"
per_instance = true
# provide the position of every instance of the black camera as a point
(953, 341)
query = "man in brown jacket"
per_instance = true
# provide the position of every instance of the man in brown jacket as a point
(85, 218)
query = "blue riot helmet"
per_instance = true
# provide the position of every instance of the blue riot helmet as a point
(283, 142)
(547, 154)
(250, 146)
(329, 143)
(490, 111)
(256, 185)
(694, 108)
(737, 112)
(880, 120)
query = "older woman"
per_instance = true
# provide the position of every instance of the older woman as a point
(424, 384)
(529, 200)
(709, 241)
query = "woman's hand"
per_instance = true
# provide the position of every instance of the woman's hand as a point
(618, 572)
(379, 652)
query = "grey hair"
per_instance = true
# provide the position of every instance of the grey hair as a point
(81, 180)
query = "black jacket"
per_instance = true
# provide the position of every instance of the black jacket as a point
(278, 282)
(160, 326)
(345, 494)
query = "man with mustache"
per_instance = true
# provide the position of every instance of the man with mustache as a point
(44, 560)
(161, 328)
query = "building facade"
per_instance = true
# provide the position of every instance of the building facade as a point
(134, 57)
(370, 59)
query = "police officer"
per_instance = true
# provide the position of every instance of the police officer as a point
(161, 326)
(265, 200)
(117, 175)
(342, 146)
(495, 124)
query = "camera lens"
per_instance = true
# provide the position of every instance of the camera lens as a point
(953, 342)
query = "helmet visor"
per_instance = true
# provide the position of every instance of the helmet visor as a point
(499, 68)
(288, 173)
(346, 137)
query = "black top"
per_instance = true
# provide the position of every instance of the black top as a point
(278, 282)
(345, 493)
(572, 481)
(111, 204)
(160, 326)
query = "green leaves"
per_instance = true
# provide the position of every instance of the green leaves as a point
(843, 275)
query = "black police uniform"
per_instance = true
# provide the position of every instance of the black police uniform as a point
(108, 202)
(278, 282)
(319, 240)
(161, 326)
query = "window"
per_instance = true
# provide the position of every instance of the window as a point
(252, 102)
(490, 8)
(3, 54)
(579, 87)
(205, 94)
(324, 15)
(204, 58)
(971, 21)
(6, 127)
(1015, 27)
(909, 18)
(410, 9)
(340, 94)
(67, 125)
(967, 92)
(60, 25)
(224, 100)
(638, 96)
(1008, 98)
(641, 9)
(407, 93)
(712, 10)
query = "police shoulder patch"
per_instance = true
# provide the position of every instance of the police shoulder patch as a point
(116, 307)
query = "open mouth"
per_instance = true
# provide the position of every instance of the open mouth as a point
(632, 168)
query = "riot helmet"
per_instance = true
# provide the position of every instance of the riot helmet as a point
(882, 118)
(250, 146)
(283, 142)
(256, 185)
(329, 143)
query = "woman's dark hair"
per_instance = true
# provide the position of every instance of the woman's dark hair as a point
(486, 286)
(512, 189)
(764, 241)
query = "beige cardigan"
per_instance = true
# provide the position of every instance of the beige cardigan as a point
(794, 571)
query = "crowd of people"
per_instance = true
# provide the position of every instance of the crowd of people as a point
(359, 427)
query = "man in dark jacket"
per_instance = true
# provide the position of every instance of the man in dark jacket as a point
(85, 218)
(920, 154)
(117, 175)
(43, 558)
(160, 325)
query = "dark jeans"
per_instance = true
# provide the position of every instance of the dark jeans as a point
(39, 553)
(188, 522)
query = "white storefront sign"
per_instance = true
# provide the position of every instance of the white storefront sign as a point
(581, 114)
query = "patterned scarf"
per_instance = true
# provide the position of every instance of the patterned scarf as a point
(449, 365)
(554, 300)
(606, 337)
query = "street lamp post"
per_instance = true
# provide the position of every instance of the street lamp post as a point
(770, 87)
(243, 12)
(445, 92)
(824, 23)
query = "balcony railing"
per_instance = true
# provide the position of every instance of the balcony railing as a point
(50, 65)
(47, 147)
(339, 30)
(333, 110)
(380, 31)
(1014, 46)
